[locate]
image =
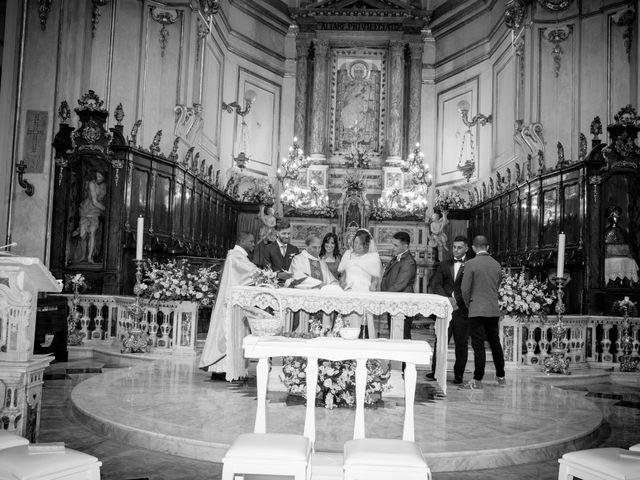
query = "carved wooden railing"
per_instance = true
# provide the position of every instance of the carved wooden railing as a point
(587, 340)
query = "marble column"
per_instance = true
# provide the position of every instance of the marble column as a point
(395, 119)
(319, 102)
(415, 92)
(300, 116)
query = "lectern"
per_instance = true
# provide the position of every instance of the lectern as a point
(21, 278)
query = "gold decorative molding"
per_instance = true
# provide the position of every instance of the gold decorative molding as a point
(556, 37)
(44, 7)
(626, 18)
(95, 14)
(164, 17)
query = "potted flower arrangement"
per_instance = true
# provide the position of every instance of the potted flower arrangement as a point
(265, 278)
(175, 280)
(524, 297)
(336, 379)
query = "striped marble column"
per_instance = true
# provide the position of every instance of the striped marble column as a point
(319, 102)
(302, 70)
(395, 119)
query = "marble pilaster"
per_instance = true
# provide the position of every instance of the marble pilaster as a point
(319, 102)
(300, 116)
(415, 92)
(396, 84)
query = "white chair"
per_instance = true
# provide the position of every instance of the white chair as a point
(600, 464)
(8, 440)
(43, 462)
(381, 459)
(274, 453)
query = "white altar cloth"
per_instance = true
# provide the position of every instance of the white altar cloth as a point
(397, 304)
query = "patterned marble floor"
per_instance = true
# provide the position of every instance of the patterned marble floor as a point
(135, 419)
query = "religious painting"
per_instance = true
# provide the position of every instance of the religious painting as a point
(550, 217)
(88, 211)
(571, 222)
(358, 89)
(393, 180)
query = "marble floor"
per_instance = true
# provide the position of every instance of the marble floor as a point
(168, 420)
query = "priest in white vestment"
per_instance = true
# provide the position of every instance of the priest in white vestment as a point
(238, 270)
(307, 269)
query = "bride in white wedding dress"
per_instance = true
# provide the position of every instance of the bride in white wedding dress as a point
(361, 271)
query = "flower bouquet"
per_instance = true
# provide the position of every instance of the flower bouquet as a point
(75, 283)
(265, 278)
(523, 297)
(175, 280)
(336, 379)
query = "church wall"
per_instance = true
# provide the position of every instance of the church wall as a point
(589, 73)
(124, 63)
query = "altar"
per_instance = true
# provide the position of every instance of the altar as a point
(398, 305)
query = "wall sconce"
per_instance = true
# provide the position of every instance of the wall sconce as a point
(463, 108)
(20, 169)
(249, 98)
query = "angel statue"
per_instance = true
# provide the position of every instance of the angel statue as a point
(438, 238)
(268, 218)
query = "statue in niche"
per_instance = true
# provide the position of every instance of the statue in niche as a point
(357, 106)
(619, 262)
(91, 210)
(352, 216)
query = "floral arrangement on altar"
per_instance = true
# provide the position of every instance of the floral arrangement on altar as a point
(626, 307)
(523, 297)
(399, 204)
(446, 200)
(176, 280)
(75, 282)
(336, 379)
(266, 278)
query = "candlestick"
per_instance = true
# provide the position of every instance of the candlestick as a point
(139, 237)
(556, 362)
(561, 242)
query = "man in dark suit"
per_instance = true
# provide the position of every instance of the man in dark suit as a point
(446, 282)
(278, 254)
(480, 284)
(400, 273)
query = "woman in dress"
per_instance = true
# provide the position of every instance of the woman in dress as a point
(330, 253)
(361, 271)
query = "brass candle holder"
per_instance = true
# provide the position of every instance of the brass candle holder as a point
(628, 363)
(137, 340)
(556, 362)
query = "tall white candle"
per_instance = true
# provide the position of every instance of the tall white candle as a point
(139, 237)
(561, 240)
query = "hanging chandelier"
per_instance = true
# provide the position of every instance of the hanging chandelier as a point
(417, 168)
(293, 164)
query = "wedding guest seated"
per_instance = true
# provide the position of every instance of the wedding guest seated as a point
(238, 270)
(361, 270)
(330, 253)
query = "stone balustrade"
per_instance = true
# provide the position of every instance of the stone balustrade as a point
(588, 340)
(105, 320)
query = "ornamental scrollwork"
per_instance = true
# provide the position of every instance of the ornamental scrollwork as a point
(164, 18)
(556, 37)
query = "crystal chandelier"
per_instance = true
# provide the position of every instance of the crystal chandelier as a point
(293, 164)
(415, 166)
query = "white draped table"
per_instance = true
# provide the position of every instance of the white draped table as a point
(398, 305)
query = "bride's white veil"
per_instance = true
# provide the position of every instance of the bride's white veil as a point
(372, 244)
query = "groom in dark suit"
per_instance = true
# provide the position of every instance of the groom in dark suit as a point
(278, 254)
(400, 273)
(446, 282)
